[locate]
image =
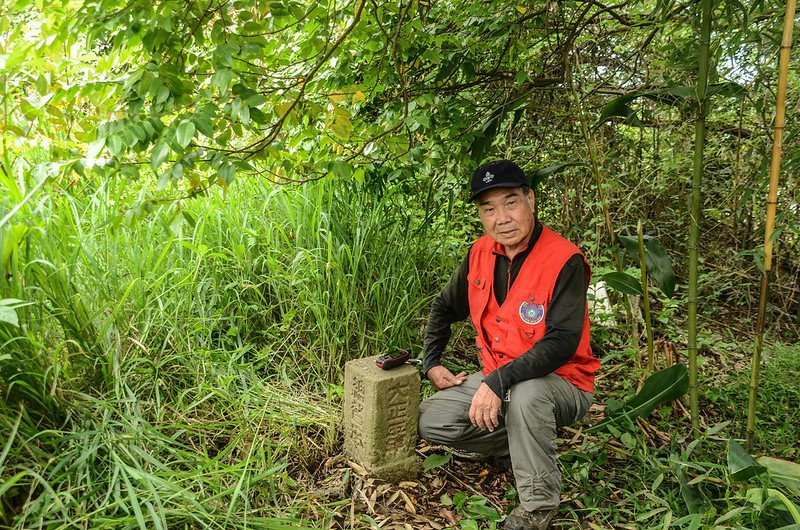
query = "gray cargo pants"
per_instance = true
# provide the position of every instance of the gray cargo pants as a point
(527, 431)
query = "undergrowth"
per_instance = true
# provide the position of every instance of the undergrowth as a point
(180, 365)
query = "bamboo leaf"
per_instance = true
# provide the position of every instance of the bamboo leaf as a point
(659, 266)
(668, 95)
(619, 107)
(663, 386)
(782, 472)
(741, 465)
(656, 260)
(696, 501)
(624, 283)
(489, 129)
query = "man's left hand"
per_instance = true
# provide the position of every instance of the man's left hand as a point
(484, 412)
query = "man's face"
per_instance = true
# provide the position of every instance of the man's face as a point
(507, 216)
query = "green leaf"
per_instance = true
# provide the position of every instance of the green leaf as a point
(477, 507)
(728, 89)
(7, 484)
(762, 497)
(669, 95)
(631, 244)
(489, 129)
(655, 259)
(184, 133)
(624, 283)
(226, 172)
(8, 315)
(619, 107)
(221, 79)
(95, 148)
(782, 472)
(162, 95)
(741, 465)
(696, 501)
(436, 460)
(115, 145)
(628, 440)
(663, 386)
(158, 155)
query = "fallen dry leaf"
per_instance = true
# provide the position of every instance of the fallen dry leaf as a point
(448, 516)
(409, 505)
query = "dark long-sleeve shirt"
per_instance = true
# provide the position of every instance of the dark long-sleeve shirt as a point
(563, 320)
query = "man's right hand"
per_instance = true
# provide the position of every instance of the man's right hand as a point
(443, 378)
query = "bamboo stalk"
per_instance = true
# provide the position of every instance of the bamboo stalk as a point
(694, 232)
(648, 323)
(772, 205)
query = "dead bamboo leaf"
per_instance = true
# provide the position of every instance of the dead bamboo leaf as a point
(357, 468)
(410, 508)
(394, 497)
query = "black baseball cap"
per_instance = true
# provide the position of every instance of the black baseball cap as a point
(497, 174)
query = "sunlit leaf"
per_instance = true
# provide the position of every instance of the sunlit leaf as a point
(95, 147)
(115, 144)
(8, 315)
(184, 133)
(158, 155)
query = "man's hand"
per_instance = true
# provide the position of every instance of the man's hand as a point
(484, 412)
(443, 378)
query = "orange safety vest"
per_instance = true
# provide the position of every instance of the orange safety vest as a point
(506, 332)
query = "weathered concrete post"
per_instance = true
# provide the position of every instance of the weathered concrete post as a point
(381, 410)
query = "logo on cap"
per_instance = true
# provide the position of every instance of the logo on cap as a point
(488, 178)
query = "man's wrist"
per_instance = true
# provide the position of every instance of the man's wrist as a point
(427, 364)
(495, 384)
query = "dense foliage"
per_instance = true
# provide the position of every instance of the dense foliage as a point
(208, 207)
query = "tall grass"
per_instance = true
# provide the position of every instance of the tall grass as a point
(174, 355)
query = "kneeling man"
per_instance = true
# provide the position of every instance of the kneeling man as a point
(524, 287)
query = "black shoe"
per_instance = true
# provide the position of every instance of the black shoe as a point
(521, 519)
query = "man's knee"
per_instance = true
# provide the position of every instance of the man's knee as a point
(533, 394)
(437, 424)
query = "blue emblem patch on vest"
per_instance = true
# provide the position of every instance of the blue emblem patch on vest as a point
(531, 313)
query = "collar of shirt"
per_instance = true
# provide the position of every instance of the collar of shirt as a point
(505, 270)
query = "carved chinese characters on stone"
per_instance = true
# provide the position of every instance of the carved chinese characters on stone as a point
(381, 409)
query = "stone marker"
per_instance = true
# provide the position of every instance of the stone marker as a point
(381, 410)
